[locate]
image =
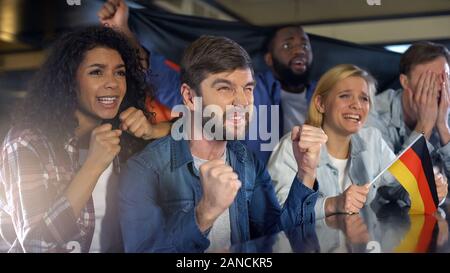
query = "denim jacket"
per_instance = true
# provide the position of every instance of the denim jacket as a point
(160, 188)
(388, 118)
(369, 155)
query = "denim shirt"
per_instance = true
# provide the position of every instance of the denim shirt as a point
(388, 118)
(369, 155)
(160, 188)
(267, 92)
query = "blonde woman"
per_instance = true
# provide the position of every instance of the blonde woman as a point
(352, 157)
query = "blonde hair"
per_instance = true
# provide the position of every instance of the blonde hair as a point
(329, 80)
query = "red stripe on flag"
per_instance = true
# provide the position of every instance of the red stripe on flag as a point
(172, 65)
(426, 234)
(413, 162)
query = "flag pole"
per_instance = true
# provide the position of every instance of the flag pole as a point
(393, 161)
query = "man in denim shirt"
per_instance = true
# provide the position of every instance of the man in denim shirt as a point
(422, 105)
(285, 89)
(182, 195)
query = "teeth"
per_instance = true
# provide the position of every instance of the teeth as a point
(298, 61)
(355, 117)
(107, 99)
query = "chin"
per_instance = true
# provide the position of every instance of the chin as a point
(107, 115)
(238, 134)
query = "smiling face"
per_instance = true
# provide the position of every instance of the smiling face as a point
(346, 106)
(101, 82)
(232, 92)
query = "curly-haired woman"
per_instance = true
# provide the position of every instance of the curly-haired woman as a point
(57, 177)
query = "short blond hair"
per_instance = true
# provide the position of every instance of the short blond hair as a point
(329, 80)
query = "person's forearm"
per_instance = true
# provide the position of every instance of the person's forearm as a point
(425, 129)
(81, 187)
(159, 130)
(143, 55)
(444, 134)
(203, 217)
(331, 205)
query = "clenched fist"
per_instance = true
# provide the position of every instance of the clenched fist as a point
(103, 147)
(306, 143)
(114, 13)
(220, 185)
(352, 200)
(136, 123)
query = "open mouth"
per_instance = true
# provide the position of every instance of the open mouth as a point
(108, 100)
(298, 61)
(236, 118)
(352, 117)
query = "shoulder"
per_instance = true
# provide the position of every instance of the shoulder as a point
(282, 153)
(265, 79)
(25, 138)
(372, 139)
(384, 100)
(369, 133)
(285, 143)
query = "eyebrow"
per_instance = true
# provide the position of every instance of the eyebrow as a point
(290, 38)
(218, 81)
(103, 66)
(348, 90)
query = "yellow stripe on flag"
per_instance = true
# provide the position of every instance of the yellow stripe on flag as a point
(409, 182)
(410, 241)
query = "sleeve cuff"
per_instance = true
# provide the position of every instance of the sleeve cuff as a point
(193, 239)
(61, 221)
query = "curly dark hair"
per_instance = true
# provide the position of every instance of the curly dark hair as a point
(52, 97)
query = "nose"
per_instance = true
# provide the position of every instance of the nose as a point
(111, 81)
(298, 50)
(356, 103)
(240, 99)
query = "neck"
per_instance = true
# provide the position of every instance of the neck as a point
(85, 126)
(408, 116)
(204, 148)
(207, 149)
(338, 146)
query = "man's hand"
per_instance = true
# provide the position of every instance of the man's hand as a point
(114, 13)
(441, 186)
(306, 143)
(136, 123)
(443, 110)
(425, 103)
(220, 185)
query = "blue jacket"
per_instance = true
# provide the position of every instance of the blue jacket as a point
(267, 92)
(160, 188)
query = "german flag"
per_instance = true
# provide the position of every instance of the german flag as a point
(414, 171)
(419, 236)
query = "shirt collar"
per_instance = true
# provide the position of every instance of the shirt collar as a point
(180, 152)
